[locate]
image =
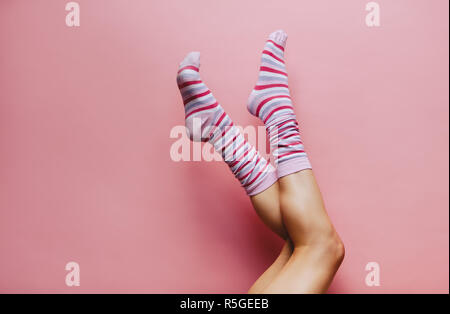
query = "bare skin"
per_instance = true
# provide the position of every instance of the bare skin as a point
(271, 273)
(267, 207)
(313, 251)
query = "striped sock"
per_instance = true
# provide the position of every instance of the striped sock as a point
(207, 121)
(271, 102)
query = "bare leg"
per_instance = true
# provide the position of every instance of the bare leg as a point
(267, 206)
(267, 277)
(318, 250)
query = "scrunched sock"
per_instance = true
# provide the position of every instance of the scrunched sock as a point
(271, 102)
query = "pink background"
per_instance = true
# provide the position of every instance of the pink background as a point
(85, 117)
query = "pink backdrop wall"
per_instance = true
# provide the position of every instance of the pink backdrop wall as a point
(85, 116)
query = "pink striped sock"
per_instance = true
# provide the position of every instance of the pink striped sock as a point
(207, 121)
(271, 102)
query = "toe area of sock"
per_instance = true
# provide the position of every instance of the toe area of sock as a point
(279, 36)
(191, 59)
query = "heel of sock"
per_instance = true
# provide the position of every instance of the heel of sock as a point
(251, 103)
(201, 126)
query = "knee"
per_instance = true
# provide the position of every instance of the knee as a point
(339, 251)
(329, 249)
(334, 249)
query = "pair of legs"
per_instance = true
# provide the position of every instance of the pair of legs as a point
(313, 252)
(288, 200)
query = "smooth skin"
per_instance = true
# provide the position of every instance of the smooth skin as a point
(293, 208)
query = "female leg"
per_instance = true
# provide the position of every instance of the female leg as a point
(317, 249)
(267, 206)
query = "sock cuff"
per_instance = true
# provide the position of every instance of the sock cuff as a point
(294, 165)
(269, 179)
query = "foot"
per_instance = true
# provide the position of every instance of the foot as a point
(279, 37)
(271, 102)
(271, 89)
(201, 108)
